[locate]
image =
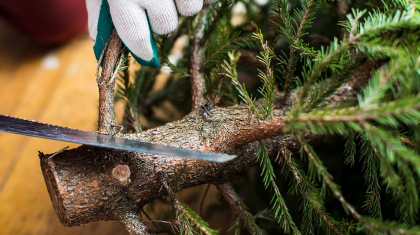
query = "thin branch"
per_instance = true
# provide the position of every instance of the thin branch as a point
(100, 62)
(287, 155)
(198, 85)
(357, 115)
(288, 77)
(203, 198)
(106, 84)
(371, 223)
(354, 25)
(229, 193)
(307, 52)
(117, 68)
(328, 179)
(131, 222)
(336, 81)
(407, 141)
(321, 65)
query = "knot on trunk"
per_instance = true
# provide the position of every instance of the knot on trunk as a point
(122, 173)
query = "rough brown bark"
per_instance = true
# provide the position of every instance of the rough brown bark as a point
(106, 84)
(198, 86)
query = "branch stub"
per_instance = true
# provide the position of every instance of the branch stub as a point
(122, 174)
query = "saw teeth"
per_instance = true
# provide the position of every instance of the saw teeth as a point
(50, 131)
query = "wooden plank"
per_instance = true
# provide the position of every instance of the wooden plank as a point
(25, 96)
(65, 96)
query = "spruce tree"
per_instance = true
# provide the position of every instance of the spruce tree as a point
(346, 72)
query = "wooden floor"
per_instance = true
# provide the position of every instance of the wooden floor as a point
(48, 85)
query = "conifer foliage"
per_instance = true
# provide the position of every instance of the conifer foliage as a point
(381, 127)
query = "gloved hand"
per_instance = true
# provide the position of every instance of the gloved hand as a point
(135, 20)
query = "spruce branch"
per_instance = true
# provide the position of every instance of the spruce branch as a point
(268, 90)
(370, 224)
(405, 110)
(391, 148)
(318, 171)
(310, 194)
(374, 25)
(281, 19)
(350, 148)
(306, 20)
(281, 212)
(214, 16)
(230, 68)
(325, 58)
(328, 86)
(373, 196)
(379, 84)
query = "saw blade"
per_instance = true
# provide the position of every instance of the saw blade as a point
(48, 131)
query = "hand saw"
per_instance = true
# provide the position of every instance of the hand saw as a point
(48, 131)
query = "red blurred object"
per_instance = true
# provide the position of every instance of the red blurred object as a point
(47, 21)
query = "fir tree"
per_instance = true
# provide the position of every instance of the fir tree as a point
(302, 70)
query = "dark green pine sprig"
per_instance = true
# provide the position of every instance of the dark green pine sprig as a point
(389, 102)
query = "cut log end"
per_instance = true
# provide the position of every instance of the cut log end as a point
(85, 188)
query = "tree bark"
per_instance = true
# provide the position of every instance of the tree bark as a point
(198, 85)
(106, 84)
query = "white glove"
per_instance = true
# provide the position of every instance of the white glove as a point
(133, 25)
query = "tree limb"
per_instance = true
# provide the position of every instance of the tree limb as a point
(198, 85)
(106, 84)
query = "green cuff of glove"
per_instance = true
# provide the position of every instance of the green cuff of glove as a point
(105, 27)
